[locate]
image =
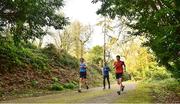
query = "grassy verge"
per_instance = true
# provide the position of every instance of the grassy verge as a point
(165, 91)
(140, 95)
(154, 91)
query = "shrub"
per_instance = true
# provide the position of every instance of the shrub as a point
(68, 60)
(60, 58)
(34, 83)
(20, 56)
(55, 79)
(57, 87)
(160, 74)
(74, 82)
(126, 76)
(162, 90)
(170, 84)
(26, 54)
(69, 86)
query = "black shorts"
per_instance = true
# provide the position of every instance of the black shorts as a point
(83, 75)
(119, 75)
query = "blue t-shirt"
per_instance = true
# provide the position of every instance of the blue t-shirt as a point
(106, 70)
(82, 67)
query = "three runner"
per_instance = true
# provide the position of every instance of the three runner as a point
(119, 67)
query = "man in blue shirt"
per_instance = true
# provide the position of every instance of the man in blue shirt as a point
(105, 73)
(82, 73)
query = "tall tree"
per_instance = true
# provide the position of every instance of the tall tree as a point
(81, 35)
(106, 24)
(85, 37)
(27, 17)
(157, 20)
(95, 55)
(73, 38)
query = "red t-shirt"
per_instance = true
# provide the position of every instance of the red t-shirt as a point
(119, 66)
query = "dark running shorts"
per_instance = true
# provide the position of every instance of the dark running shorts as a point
(82, 74)
(119, 75)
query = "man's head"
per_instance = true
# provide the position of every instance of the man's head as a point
(117, 57)
(105, 63)
(82, 60)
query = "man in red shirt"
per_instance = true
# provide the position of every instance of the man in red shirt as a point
(119, 69)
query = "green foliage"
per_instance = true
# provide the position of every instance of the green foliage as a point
(74, 82)
(55, 79)
(171, 84)
(160, 74)
(68, 60)
(34, 83)
(28, 55)
(163, 89)
(56, 87)
(157, 20)
(25, 19)
(126, 76)
(21, 57)
(60, 58)
(70, 85)
(141, 63)
(95, 55)
(74, 38)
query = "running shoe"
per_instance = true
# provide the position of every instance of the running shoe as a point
(79, 90)
(119, 92)
(122, 89)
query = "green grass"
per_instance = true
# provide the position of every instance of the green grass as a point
(139, 95)
(165, 91)
(155, 91)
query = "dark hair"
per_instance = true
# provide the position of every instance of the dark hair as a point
(81, 59)
(105, 63)
(118, 56)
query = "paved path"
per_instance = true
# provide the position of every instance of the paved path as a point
(94, 95)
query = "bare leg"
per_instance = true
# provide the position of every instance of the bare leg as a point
(122, 86)
(80, 83)
(120, 83)
(86, 83)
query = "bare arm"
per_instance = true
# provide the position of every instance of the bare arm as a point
(124, 67)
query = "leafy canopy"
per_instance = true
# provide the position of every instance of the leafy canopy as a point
(25, 18)
(157, 20)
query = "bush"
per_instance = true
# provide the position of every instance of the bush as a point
(27, 54)
(69, 86)
(164, 90)
(55, 79)
(57, 87)
(74, 82)
(21, 57)
(160, 74)
(126, 76)
(60, 58)
(170, 84)
(34, 83)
